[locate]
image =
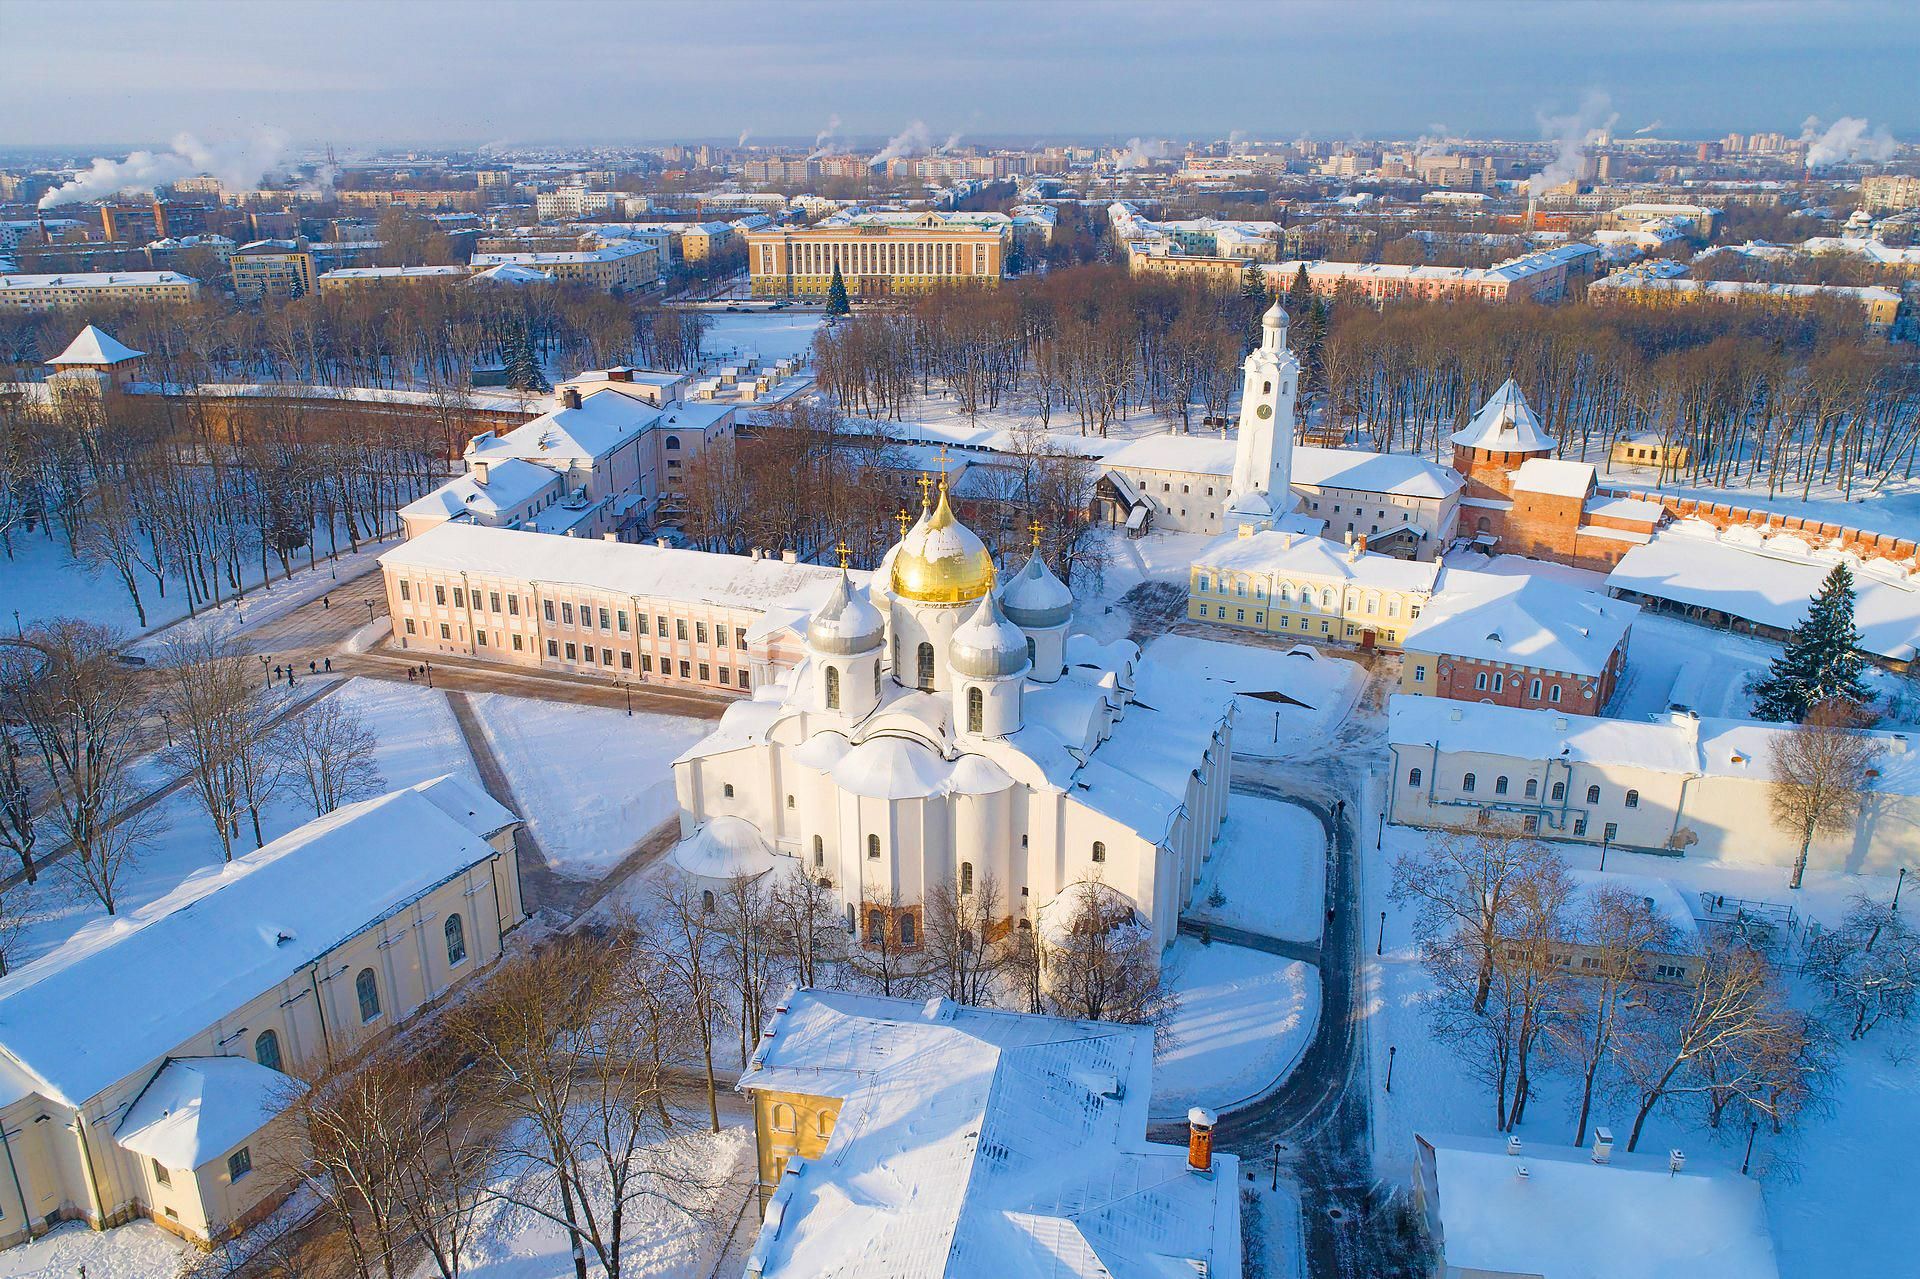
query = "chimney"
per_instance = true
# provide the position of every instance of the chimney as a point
(1603, 1145)
(1361, 542)
(1348, 537)
(1676, 1160)
(1513, 1145)
(570, 397)
(660, 542)
(609, 537)
(1200, 1122)
(480, 473)
(789, 557)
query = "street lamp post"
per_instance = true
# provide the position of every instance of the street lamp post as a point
(1393, 1050)
(1605, 840)
(1753, 1128)
(429, 674)
(627, 688)
(1898, 884)
(369, 610)
(1380, 942)
(1276, 1166)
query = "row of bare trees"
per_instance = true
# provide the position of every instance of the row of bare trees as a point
(1533, 976)
(77, 723)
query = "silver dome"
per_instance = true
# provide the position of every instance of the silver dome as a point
(987, 645)
(846, 623)
(1035, 599)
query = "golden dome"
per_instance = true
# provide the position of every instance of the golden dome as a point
(941, 560)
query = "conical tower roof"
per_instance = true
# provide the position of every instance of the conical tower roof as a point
(1506, 423)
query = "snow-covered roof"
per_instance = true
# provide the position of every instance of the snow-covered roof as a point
(394, 273)
(1677, 743)
(149, 980)
(1571, 1218)
(979, 1144)
(199, 1108)
(724, 848)
(93, 345)
(93, 280)
(1291, 554)
(575, 257)
(1554, 476)
(511, 483)
(1402, 474)
(1522, 621)
(699, 577)
(1197, 454)
(511, 273)
(1506, 423)
(600, 425)
(1769, 585)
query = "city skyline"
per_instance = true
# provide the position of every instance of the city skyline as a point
(857, 75)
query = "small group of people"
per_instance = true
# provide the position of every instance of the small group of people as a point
(287, 670)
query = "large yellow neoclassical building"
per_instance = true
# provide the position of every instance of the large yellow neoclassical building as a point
(877, 255)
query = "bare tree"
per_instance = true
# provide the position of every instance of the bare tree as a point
(353, 1119)
(218, 725)
(81, 709)
(1618, 932)
(963, 956)
(19, 831)
(329, 748)
(1868, 968)
(684, 944)
(805, 922)
(1821, 770)
(1531, 959)
(747, 937)
(1101, 964)
(885, 956)
(1728, 1032)
(1461, 883)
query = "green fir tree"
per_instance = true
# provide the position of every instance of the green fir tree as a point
(523, 369)
(1253, 285)
(1300, 292)
(1822, 658)
(837, 303)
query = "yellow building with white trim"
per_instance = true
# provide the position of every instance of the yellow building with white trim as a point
(1296, 584)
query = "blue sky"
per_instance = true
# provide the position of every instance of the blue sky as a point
(114, 73)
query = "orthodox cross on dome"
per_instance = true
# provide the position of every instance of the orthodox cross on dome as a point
(1035, 528)
(926, 490)
(901, 518)
(844, 553)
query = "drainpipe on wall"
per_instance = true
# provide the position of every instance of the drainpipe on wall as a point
(79, 1129)
(320, 1007)
(13, 1169)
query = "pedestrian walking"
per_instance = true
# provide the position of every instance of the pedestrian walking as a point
(409, 674)
(313, 668)
(326, 602)
(329, 664)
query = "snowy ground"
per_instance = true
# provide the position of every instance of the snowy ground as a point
(42, 581)
(1322, 689)
(1822, 1224)
(418, 739)
(1244, 1019)
(661, 1241)
(772, 335)
(1157, 557)
(594, 782)
(1270, 867)
(137, 1250)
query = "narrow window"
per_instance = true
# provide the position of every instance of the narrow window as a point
(368, 989)
(727, 790)
(1499, 785)
(1553, 694)
(406, 593)
(976, 711)
(819, 852)
(1559, 791)
(456, 932)
(1611, 832)
(1099, 851)
(266, 1049)
(1593, 794)
(161, 1177)
(1633, 799)
(239, 1164)
(833, 688)
(906, 930)
(1467, 783)
(873, 848)
(1533, 787)
(876, 925)
(707, 901)
(925, 664)
(1413, 777)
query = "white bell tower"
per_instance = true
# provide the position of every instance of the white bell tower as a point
(1262, 489)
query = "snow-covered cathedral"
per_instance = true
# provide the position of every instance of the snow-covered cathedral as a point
(945, 727)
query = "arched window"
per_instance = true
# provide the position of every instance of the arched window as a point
(456, 931)
(783, 1118)
(1032, 653)
(1633, 799)
(1593, 794)
(673, 444)
(1326, 598)
(1467, 783)
(976, 711)
(1099, 851)
(833, 688)
(708, 902)
(925, 679)
(1413, 777)
(266, 1049)
(873, 848)
(1499, 785)
(819, 851)
(906, 930)
(876, 678)
(1533, 787)
(727, 790)
(1266, 388)
(823, 1124)
(367, 987)
(966, 877)
(789, 803)
(1559, 791)
(876, 925)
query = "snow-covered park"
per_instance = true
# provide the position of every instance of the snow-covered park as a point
(1244, 1018)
